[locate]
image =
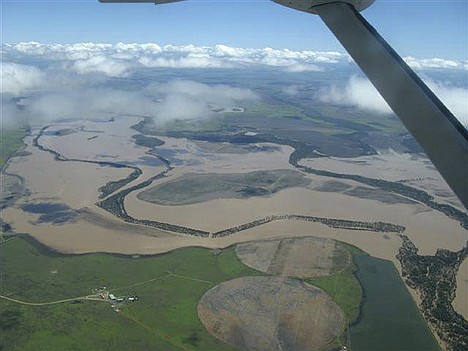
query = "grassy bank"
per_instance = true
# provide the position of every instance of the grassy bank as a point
(11, 139)
(344, 287)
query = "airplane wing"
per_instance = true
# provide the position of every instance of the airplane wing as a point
(435, 128)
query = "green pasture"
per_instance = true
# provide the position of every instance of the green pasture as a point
(169, 287)
(11, 139)
(165, 318)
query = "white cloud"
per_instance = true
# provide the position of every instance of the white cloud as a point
(183, 100)
(9, 111)
(88, 102)
(300, 67)
(291, 90)
(359, 92)
(118, 59)
(17, 79)
(72, 75)
(455, 98)
(191, 56)
(101, 64)
(64, 98)
(221, 92)
(121, 57)
(434, 63)
(182, 62)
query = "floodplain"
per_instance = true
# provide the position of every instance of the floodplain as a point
(253, 197)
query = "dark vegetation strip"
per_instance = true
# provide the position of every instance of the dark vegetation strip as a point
(115, 185)
(394, 187)
(331, 222)
(114, 204)
(147, 141)
(304, 150)
(434, 277)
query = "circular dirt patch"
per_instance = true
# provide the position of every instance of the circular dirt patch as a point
(296, 257)
(270, 313)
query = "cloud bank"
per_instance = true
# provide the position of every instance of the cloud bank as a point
(360, 93)
(70, 80)
(118, 60)
(17, 78)
(176, 100)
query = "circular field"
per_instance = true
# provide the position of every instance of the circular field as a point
(297, 257)
(270, 313)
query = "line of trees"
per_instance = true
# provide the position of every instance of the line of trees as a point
(331, 222)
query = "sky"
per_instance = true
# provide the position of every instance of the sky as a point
(62, 53)
(422, 29)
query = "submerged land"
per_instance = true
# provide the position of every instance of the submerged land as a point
(283, 194)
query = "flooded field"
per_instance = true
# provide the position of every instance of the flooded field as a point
(411, 169)
(89, 183)
(388, 318)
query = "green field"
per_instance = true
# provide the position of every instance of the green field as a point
(11, 139)
(389, 319)
(344, 287)
(169, 287)
(273, 109)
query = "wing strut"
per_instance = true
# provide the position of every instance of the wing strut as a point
(435, 128)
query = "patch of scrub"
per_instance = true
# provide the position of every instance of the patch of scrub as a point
(150, 161)
(60, 132)
(297, 257)
(44, 207)
(196, 187)
(147, 141)
(460, 302)
(379, 195)
(332, 186)
(228, 148)
(271, 313)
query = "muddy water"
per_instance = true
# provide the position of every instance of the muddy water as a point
(75, 184)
